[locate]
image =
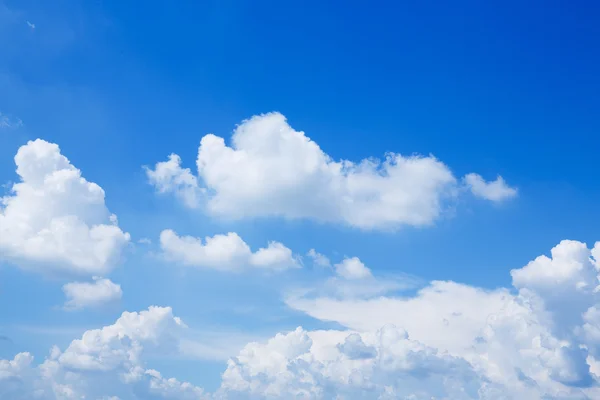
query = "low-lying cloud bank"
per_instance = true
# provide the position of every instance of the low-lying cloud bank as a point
(450, 341)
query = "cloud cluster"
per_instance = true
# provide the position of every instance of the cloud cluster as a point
(385, 364)
(540, 342)
(91, 294)
(449, 341)
(270, 169)
(53, 219)
(105, 363)
(224, 252)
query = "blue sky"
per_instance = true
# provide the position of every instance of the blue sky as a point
(508, 91)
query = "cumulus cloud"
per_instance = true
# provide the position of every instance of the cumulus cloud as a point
(496, 191)
(105, 363)
(352, 268)
(91, 294)
(270, 169)
(168, 176)
(448, 341)
(224, 252)
(53, 218)
(385, 364)
(541, 342)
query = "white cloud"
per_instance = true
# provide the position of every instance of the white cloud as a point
(352, 268)
(168, 176)
(449, 341)
(272, 170)
(31, 25)
(91, 294)
(496, 191)
(105, 363)
(319, 259)
(224, 252)
(352, 280)
(55, 219)
(384, 364)
(541, 342)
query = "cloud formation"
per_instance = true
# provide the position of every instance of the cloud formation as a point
(91, 294)
(540, 342)
(105, 363)
(272, 170)
(352, 268)
(224, 252)
(168, 176)
(54, 219)
(449, 341)
(495, 191)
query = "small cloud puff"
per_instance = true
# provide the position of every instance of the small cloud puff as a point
(91, 294)
(225, 252)
(495, 191)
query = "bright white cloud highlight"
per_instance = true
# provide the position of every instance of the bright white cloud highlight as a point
(224, 252)
(55, 218)
(496, 191)
(91, 294)
(385, 364)
(352, 268)
(270, 169)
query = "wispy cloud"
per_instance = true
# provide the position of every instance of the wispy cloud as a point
(31, 25)
(9, 123)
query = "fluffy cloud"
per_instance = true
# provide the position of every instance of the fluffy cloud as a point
(91, 294)
(55, 219)
(541, 342)
(272, 170)
(352, 268)
(496, 191)
(168, 176)
(448, 341)
(224, 252)
(104, 364)
(385, 364)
